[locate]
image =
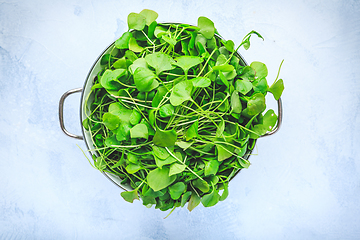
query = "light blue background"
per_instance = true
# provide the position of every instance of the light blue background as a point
(303, 184)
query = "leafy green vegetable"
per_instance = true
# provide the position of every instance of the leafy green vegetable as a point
(160, 61)
(150, 16)
(176, 190)
(139, 131)
(207, 28)
(165, 138)
(130, 196)
(181, 93)
(123, 41)
(145, 79)
(175, 113)
(277, 88)
(166, 110)
(136, 21)
(210, 199)
(159, 179)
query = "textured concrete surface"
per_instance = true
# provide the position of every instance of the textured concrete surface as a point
(304, 182)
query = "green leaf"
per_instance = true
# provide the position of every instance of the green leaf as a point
(187, 62)
(184, 145)
(123, 132)
(135, 117)
(134, 46)
(166, 110)
(169, 40)
(132, 168)
(109, 79)
(225, 193)
(161, 162)
(159, 178)
(192, 131)
(159, 31)
(140, 62)
(160, 61)
(244, 162)
(220, 129)
(122, 112)
(225, 105)
(120, 63)
(111, 121)
(145, 79)
(130, 196)
(277, 88)
(210, 199)
(260, 85)
(132, 158)
(176, 168)
(211, 167)
(150, 16)
(201, 82)
(160, 152)
(151, 29)
(193, 202)
(123, 41)
(257, 131)
(224, 151)
(164, 138)
(110, 141)
(248, 73)
(224, 68)
(235, 102)
(221, 59)
(136, 21)
(160, 94)
(207, 28)
(243, 86)
(181, 93)
(260, 68)
(176, 190)
(131, 56)
(201, 185)
(139, 131)
(256, 104)
(184, 198)
(229, 44)
(269, 120)
(246, 41)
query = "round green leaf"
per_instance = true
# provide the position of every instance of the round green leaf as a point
(166, 110)
(139, 131)
(144, 79)
(176, 190)
(159, 179)
(150, 16)
(207, 28)
(165, 138)
(123, 41)
(260, 68)
(181, 93)
(136, 21)
(130, 196)
(111, 121)
(210, 199)
(160, 61)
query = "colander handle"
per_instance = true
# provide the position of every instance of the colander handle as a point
(61, 112)
(280, 113)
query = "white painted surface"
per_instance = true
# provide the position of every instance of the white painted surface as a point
(303, 184)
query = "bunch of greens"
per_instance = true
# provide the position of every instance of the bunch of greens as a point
(175, 112)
